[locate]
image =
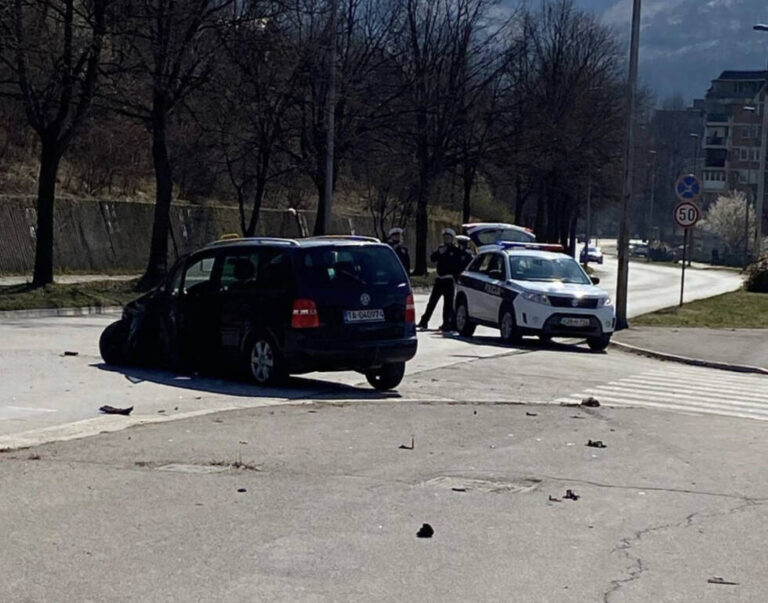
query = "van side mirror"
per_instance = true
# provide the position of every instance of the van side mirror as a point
(595, 280)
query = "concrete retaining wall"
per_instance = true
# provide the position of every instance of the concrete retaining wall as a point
(104, 236)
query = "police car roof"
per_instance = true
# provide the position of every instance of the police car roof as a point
(524, 250)
(477, 225)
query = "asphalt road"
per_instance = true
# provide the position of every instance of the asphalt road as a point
(41, 388)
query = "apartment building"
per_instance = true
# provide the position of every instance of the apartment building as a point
(733, 109)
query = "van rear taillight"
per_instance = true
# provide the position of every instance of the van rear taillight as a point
(304, 314)
(410, 309)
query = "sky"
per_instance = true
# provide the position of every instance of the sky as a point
(684, 44)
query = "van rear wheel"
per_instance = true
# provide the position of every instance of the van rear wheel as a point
(264, 363)
(387, 377)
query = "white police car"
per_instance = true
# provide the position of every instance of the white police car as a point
(530, 289)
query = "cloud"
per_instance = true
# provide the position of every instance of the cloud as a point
(686, 43)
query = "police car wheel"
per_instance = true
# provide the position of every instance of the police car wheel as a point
(508, 327)
(598, 344)
(113, 343)
(464, 325)
(387, 377)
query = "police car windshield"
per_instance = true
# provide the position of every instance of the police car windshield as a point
(545, 269)
(329, 267)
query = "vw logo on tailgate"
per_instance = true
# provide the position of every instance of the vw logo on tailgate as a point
(365, 299)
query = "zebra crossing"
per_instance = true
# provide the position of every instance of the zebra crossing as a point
(686, 389)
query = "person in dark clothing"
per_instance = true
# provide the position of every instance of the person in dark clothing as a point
(395, 241)
(466, 254)
(448, 260)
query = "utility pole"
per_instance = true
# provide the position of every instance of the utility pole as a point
(652, 203)
(330, 120)
(589, 222)
(761, 178)
(629, 156)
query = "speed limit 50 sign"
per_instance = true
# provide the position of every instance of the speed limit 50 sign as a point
(687, 214)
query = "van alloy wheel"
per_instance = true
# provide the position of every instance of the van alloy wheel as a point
(262, 361)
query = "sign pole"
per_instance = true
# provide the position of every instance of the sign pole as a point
(685, 257)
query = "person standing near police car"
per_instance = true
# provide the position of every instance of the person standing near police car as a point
(448, 259)
(467, 256)
(395, 241)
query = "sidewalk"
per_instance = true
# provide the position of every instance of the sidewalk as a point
(67, 279)
(740, 347)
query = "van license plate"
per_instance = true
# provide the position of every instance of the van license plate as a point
(574, 322)
(352, 316)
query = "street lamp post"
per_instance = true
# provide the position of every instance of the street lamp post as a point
(629, 156)
(761, 178)
(330, 120)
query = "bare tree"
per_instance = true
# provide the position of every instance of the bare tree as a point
(444, 51)
(163, 52)
(51, 51)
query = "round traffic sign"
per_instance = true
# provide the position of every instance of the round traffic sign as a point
(687, 187)
(686, 214)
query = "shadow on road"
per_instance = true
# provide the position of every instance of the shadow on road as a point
(527, 344)
(294, 389)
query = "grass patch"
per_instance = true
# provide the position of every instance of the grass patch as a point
(736, 310)
(75, 295)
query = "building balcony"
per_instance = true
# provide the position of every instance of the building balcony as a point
(715, 185)
(717, 118)
(715, 141)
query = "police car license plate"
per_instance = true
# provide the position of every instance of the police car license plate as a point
(574, 322)
(351, 316)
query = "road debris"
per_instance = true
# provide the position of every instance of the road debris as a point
(70, 353)
(719, 580)
(242, 490)
(426, 531)
(111, 410)
(531, 414)
(571, 495)
(407, 447)
(590, 402)
(553, 499)
(596, 444)
(161, 411)
(459, 489)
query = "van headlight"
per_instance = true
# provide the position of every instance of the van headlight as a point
(604, 301)
(537, 298)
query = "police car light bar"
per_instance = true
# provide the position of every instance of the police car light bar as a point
(538, 246)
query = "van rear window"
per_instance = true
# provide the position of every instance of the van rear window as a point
(346, 266)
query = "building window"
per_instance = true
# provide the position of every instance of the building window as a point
(744, 154)
(743, 177)
(754, 154)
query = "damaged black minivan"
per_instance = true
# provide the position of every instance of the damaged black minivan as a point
(268, 308)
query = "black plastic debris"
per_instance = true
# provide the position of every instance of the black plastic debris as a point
(242, 490)
(407, 447)
(553, 499)
(571, 495)
(426, 531)
(70, 353)
(596, 444)
(111, 410)
(590, 402)
(531, 414)
(719, 580)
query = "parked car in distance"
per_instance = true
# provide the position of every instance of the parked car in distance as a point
(591, 254)
(268, 308)
(523, 290)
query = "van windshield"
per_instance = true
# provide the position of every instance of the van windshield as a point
(494, 235)
(330, 267)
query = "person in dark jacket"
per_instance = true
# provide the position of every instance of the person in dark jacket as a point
(466, 254)
(448, 259)
(395, 241)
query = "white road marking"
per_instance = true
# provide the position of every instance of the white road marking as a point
(686, 389)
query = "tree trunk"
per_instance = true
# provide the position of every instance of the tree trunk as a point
(519, 201)
(46, 195)
(469, 180)
(321, 228)
(157, 267)
(422, 226)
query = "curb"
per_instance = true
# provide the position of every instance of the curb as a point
(723, 366)
(54, 312)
